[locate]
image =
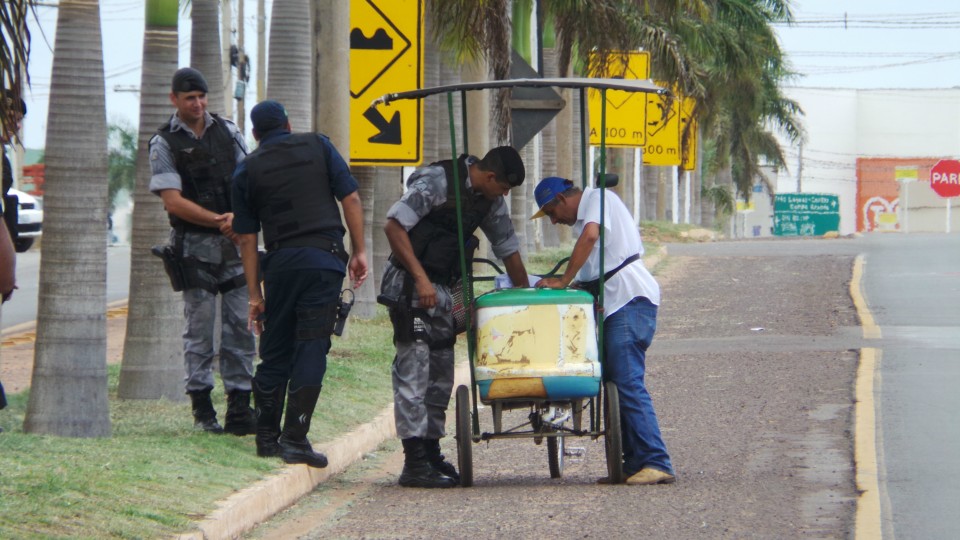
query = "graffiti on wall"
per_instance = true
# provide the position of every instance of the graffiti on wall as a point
(878, 189)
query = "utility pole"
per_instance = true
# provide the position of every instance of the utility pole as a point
(226, 29)
(261, 50)
(241, 69)
(800, 169)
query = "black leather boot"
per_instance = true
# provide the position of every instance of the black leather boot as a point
(294, 446)
(417, 470)
(438, 461)
(240, 418)
(204, 415)
(269, 411)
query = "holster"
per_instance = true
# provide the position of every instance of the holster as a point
(172, 264)
(408, 324)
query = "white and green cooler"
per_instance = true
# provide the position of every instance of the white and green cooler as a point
(536, 344)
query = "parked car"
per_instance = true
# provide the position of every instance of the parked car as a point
(29, 220)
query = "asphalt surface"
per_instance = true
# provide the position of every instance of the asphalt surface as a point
(752, 374)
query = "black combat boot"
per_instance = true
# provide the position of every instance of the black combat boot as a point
(294, 446)
(417, 470)
(432, 448)
(204, 415)
(269, 410)
(240, 418)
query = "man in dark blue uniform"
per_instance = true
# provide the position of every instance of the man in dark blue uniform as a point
(290, 186)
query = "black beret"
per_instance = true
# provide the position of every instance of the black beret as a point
(188, 80)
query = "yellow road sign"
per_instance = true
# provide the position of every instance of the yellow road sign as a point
(665, 133)
(626, 111)
(386, 55)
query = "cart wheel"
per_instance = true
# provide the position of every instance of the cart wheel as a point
(555, 449)
(612, 439)
(464, 436)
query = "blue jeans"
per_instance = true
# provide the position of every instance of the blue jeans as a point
(626, 336)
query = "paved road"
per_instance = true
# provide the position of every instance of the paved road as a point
(22, 308)
(912, 288)
(752, 373)
(912, 285)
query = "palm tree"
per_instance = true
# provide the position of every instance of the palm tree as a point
(15, 54)
(69, 386)
(152, 365)
(205, 49)
(290, 71)
(744, 68)
(475, 30)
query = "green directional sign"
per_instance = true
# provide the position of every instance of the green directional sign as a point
(805, 214)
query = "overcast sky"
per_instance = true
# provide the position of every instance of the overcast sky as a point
(834, 43)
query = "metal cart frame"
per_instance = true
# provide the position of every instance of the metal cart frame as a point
(547, 418)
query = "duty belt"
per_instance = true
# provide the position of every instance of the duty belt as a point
(331, 246)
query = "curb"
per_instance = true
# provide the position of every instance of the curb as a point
(250, 507)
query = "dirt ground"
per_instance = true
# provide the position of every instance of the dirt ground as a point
(16, 352)
(755, 402)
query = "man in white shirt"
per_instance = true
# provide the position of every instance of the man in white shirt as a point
(630, 299)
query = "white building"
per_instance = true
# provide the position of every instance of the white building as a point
(850, 133)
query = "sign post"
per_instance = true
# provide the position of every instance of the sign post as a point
(945, 182)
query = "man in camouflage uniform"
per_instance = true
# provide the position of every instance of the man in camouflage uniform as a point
(192, 159)
(422, 231)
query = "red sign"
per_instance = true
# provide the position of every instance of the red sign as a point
(945, 178)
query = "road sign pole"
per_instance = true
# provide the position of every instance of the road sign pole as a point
(948, 216)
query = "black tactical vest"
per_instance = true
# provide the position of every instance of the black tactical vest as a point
(434, 238)
(205, 167)
(290, 189)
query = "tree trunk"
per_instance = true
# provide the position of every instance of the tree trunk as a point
(650, 193)
(205, 49)
(68, 394)
(551, 155)
(366, 305)
(389, 188)
(152, 364)
(478, 122)
(290, 71)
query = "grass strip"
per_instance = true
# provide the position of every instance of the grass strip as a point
(156, 474)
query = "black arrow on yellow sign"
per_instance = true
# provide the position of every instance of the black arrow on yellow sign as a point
(389, 131)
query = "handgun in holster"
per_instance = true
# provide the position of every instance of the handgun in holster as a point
(172, 264)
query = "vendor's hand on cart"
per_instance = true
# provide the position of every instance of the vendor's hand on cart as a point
(551, 283)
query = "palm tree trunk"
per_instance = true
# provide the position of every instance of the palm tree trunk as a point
(389, 188)
(69, 388)
(205, 49)
(550, 154)
(366, 305)
(152, 365)
(290, 71)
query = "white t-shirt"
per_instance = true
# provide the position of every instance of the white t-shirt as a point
(621, 240)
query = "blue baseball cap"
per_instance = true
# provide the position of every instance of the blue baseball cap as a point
(267, 116)
(547, 190)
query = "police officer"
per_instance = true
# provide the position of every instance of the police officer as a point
(290, 186)
(422, 231)
(192, 159)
